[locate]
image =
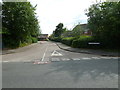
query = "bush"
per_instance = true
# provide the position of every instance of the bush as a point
(34, 40)
(56, 39)
(68, 40)
(83, 41)
(8, 42)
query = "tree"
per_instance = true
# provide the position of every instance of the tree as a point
(77, 31)
(104, 22)
(19, 23)
(59, 30)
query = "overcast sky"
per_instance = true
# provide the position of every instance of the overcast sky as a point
(69, 12)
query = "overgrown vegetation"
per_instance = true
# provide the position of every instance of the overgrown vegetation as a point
(68, 40)
(19, 24)
(83, 42)
(103, 21)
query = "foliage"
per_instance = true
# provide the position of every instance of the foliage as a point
(104, 21)
(34, 40)
(68, 40)
(82, 42)
(77, 31)
(19, 23)
(57, 34)
(56, 39)
(59, 30)
(67, 33)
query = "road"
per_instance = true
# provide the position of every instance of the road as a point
(45, 65)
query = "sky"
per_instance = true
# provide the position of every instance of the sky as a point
(52, 12)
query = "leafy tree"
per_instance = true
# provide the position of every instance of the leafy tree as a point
(77, 31)
(19, 23)
(59, 30)
(104, 22)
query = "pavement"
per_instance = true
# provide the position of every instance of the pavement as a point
(88, 51)
(45, 65)
(21, 49)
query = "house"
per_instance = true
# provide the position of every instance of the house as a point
(86, 30)
(43, 37)
(67, 34)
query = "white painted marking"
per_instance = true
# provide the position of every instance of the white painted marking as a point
(106, 57)
(55, 53)
(75, 58)
(95, 58)
(65, 59)
(86, 58)
(44, 53)
(5, 61)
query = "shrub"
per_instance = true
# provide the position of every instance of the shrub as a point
(8, 42)
(68, 40)
(34, 40)
(56, 39)
(83, 41)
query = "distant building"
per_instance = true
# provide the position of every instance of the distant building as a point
(43, 37)
(86, 30)
(67, 34)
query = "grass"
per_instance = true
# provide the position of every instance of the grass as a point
(24, 44)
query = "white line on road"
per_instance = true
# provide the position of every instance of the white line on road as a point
(65, 59)
(86, 58)
(5, 61)
(95, 57)
(76, 59)
(106, 57)
(55, 53)
(44, 53)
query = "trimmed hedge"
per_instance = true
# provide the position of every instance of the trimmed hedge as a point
(68, 41)
(56, 39)
(83, 41)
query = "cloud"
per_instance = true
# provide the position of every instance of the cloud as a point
(68, 12)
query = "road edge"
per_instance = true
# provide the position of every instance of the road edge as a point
(110, 55)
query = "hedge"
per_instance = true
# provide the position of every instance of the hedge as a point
(83, 41)
(68, 40)
(56, 39)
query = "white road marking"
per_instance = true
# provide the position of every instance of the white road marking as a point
(106, 57)
(86, 58)
(55, 53)
(41, 62)
(75, 58)
(44, 53)
(65, 59)
(95, 57)
(5, 61)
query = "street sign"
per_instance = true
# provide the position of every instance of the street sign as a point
(94, 43)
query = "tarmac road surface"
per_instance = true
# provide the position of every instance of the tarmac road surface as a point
(45, 65)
